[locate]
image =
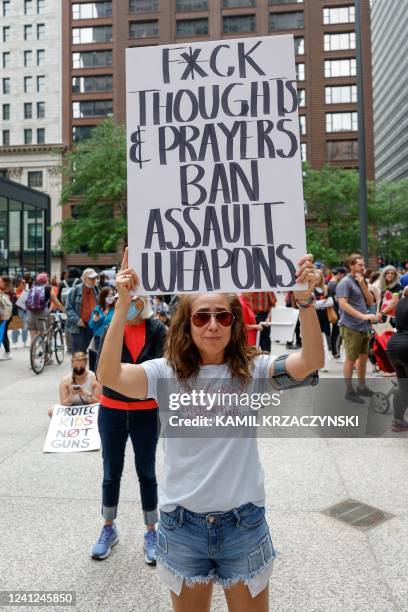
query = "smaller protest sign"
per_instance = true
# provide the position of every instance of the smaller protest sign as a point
(73, 429)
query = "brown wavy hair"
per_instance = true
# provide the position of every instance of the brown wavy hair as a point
(183, 355)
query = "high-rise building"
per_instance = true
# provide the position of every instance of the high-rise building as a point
(390, 88)
(96, 35)
(30, 108)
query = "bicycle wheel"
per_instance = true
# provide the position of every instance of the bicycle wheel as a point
(38, 354)
(58, 346)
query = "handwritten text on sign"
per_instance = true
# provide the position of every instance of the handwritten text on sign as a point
(215, 197)
(73, 429)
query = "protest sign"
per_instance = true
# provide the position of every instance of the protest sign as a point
(215, 199)
(73, 429)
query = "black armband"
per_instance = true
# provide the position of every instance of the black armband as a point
(281, 379)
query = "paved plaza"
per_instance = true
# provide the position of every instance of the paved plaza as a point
(50, 515)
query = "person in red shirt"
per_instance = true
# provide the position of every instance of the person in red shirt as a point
(252, 327)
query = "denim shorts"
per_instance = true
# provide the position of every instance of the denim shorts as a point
(226, 547)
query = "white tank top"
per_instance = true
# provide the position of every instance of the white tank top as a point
(87, 388)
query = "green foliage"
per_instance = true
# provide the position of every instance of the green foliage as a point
(95, 183)
(391, 219)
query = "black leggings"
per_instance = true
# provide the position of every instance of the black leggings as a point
(6, 342)
(397, 350)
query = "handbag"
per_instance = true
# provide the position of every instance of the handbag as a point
(332, 315)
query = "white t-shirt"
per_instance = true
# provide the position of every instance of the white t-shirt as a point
(211, 473)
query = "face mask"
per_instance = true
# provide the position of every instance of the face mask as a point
(78, 371)
(88, 285)
(134, 311)
(110, 299)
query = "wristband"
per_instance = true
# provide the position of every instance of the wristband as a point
(309, 303)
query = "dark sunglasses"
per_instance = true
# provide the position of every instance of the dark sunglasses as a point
(224, 318)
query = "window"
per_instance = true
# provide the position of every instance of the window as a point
(286, 21)
(40, 84)
(285, 1)
(6, 8)
(28, 136)
(28, 84)
(341, 14)
(340, 68)
(6, 138)
(28, 7)
(6, 59)
(300, 72)
(302, 124)
(91, 35)
(91, 10)
(6, 85)
(340, 150)
(341, 122)
(143, 29)
(92, 59)
(40, 110)
(81, 132)
(342, 94)
(340, 42)
(40, 31)
(301, 95)
(192, 27)
(303, 151)
(35, 179)
(238, 23)
(40, 136)
(94, 108)
(92, 83)
(6, 33)
(28, 110)
(6, 112)
(28, 32)
(40, 57)
(40, 7)
(191, 5)
(28, 58)
(299, 45)
(238, 3)
(143, 6)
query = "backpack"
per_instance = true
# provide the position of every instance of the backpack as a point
(6, 307)
(36, 298)
(377, 351)
(67, 289)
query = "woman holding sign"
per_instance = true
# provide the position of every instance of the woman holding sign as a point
(212, 516)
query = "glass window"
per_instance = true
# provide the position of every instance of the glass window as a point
(6, 8)
(340, 68)
(341, 94)
(40, 135)
(28, 136)
(40, 84)
(191, 5)
(28, 7)
(40, 31)
(40, 7)
(238, 23)
(341, 122)
(286, 21)
(303, 151)
(35, 179)
(6, 138)
(81, 132)
(238, 3)
(340, 14)
(28, 58)
(6, 59)
(92, 83)
(340, 42)
(299, 45)
(6, 33)
(143, 6)
(92, 59)
(192, 27)
(300, 72)
(28, 84)
(40, 110)
(28, 110)
(99, 34)
(302, 124)
(285, 1)
(91, 10)
(340, 150)
(6, 112)
(40, 57)
(6, 85)
(301, 95)
(28, 32)
(143, 29)
(92, 108)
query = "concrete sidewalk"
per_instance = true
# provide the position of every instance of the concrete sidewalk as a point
(50, 515)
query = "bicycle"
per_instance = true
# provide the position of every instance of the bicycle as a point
(48, 342)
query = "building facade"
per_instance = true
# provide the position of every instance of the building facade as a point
(96, 34)
(30, 109)
(390, 88)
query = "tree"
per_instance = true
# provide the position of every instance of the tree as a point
(391, 219)
(95, 184)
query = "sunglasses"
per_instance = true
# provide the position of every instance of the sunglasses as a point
(224, 318)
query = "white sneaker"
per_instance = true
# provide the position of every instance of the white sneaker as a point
(6, 357)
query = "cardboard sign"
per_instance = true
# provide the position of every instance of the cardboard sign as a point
(215, 199)
(73, 429)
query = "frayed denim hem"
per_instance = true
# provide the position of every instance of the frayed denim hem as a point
(174, 580)
(255, 586)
